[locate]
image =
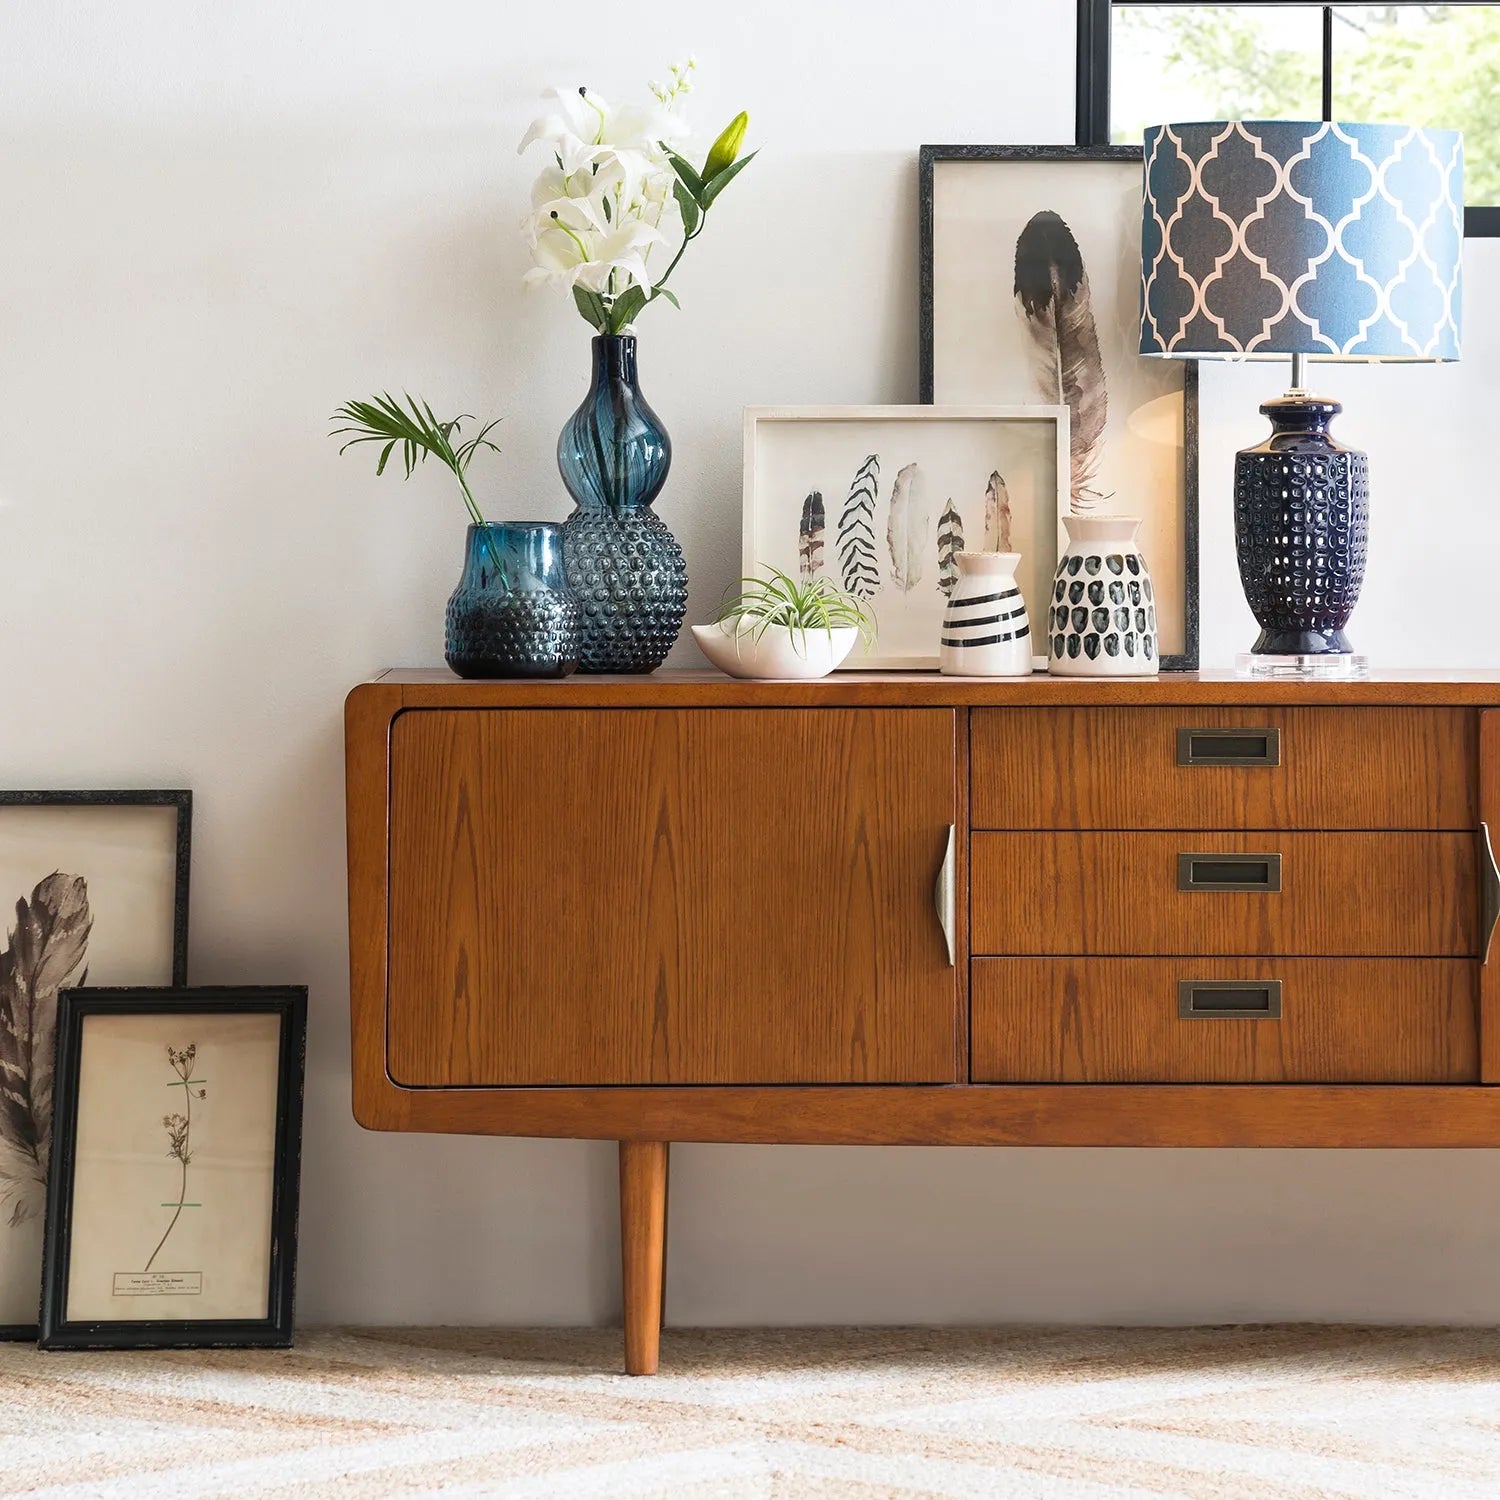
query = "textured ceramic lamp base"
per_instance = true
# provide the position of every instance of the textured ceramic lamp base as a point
(1301, 528)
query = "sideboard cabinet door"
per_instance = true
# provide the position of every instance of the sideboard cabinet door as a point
(621, 896)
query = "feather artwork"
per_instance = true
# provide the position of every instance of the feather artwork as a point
(906, 529)
(950, 544)
(996, 514)
(858, 562)
(46, 949)
(1057, 314)
(810, 536)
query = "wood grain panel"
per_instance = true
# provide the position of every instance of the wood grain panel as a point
(1412, 768)
(1342, 895)
(1065, 1114)
(619, 897)
(1115, 1020)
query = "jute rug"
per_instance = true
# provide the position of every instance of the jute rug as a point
(1290, 1413)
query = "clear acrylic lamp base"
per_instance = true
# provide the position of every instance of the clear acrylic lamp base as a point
(1329, 666)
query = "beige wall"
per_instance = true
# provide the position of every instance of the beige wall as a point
(220, 221)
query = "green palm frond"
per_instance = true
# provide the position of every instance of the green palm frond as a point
(417, 431)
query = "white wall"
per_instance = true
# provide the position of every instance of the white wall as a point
(220, 221)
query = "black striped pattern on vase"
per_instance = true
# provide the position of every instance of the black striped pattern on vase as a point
(986, 631)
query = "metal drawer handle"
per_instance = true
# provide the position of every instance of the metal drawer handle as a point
(944, 895)
(1228, 747)
(1489, 878)
(1229, 872)
(1229, 1000)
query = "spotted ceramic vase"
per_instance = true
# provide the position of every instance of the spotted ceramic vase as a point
(1101, 621)
(986, 632)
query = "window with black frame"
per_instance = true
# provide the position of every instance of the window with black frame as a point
(1147, 63)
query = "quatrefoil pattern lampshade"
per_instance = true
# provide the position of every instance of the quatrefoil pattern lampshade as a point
(1281, 237)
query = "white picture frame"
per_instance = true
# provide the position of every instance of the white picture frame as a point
(933, 458)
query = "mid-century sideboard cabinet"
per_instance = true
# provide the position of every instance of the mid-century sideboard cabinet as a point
(914, 909)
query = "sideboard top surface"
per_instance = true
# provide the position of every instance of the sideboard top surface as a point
(427, 687)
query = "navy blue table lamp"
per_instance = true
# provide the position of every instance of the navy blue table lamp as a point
(1316, 240)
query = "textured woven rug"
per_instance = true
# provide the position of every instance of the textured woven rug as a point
(1290, 1413)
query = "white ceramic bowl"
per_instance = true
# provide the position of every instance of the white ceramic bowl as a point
(778, 652)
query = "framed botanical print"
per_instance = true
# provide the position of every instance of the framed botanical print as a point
(94, 887)
(172, 1201)
(1030, 272)
(881, 500)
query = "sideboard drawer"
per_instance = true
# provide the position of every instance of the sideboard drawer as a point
(1190, 767)
(1331, 894)
(1191, 1020)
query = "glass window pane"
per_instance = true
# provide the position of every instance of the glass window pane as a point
(1213, 62)
(1425, 65)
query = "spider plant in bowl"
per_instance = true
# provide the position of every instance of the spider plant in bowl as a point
(780, 626)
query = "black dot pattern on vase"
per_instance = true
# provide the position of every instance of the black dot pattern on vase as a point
(1108, 614)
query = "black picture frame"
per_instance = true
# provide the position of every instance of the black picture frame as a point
(1091, 111)
(289, 1002)
(177, 797)
(928, 160)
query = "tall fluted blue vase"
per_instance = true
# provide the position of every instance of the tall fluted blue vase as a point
(624, 566)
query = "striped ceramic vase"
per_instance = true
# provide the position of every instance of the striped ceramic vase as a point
(985, 629)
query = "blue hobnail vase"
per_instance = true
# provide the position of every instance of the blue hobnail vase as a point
(512, 614)
(624, 566)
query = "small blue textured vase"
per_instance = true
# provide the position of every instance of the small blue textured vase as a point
(624, 566)
(512, 614)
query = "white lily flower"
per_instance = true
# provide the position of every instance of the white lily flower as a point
(573, 113)
(623, 250)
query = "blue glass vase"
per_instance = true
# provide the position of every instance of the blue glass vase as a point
(625, 567)
(512, 614)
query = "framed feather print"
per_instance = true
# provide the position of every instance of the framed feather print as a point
(172, 1201)
(1030, 272)
(95, 891)
(881, 499)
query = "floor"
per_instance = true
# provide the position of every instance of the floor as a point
(1284, 1412)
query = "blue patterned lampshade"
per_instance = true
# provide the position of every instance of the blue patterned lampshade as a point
(1277, 237)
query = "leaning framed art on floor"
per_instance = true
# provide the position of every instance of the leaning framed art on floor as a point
(172, 1200)
(94, 886)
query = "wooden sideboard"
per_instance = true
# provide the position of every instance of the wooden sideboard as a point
(910, 909)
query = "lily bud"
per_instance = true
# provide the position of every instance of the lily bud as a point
(724, 150)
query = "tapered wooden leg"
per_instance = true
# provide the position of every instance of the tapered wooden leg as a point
(643, 1246)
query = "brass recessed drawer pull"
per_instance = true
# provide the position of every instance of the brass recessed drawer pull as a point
(1229, 872)
(1228, 747)
(1229, 1000)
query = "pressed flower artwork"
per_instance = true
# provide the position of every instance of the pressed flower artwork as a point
(174, 1167)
